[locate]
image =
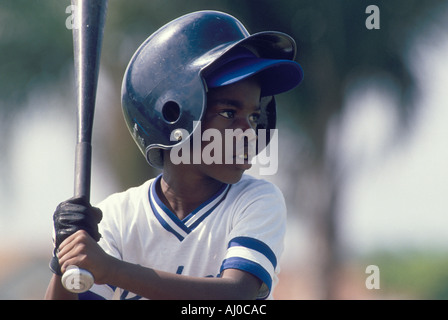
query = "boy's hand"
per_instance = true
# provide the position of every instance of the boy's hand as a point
(71, 216)
(81, 250)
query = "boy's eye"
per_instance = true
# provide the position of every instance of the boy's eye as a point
(254, 117)
(228, 114)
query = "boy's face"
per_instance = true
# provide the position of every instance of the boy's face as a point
(231, 109)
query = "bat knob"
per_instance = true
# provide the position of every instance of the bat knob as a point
(77, 280)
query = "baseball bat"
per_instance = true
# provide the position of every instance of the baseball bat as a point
(89, 18)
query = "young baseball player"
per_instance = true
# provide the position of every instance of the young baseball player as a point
(202, 229)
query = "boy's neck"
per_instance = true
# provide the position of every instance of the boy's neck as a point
(182, 194)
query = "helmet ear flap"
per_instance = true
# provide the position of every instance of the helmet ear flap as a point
(266, 122)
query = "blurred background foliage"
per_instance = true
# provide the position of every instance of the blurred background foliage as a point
(338, 53)
(410, 274)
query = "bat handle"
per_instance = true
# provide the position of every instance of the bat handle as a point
(77, 280)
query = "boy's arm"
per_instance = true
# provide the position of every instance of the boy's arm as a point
(81, 250)
(155, 284)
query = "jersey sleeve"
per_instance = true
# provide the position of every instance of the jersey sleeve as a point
(255, 241)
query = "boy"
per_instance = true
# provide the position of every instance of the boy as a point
(202, 229)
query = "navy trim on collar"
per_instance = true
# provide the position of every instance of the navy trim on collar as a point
(171, 223)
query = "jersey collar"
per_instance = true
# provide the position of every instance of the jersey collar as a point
(181, 228)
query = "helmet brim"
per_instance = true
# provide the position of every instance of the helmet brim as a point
(274, 76)
(271, 45)
(268, 55)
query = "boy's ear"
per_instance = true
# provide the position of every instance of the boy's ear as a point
(267, 119)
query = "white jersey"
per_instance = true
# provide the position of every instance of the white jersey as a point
(241, 227)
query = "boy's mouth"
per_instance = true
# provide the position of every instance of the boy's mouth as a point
(244, 148)
(245, 154)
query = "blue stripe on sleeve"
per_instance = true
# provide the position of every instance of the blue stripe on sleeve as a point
(256, 245)
(248, 266)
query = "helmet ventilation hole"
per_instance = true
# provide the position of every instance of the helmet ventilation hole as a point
(171, 111)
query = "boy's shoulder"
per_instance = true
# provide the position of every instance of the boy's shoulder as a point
(130, 196)
(252, 184)
(252, 190)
